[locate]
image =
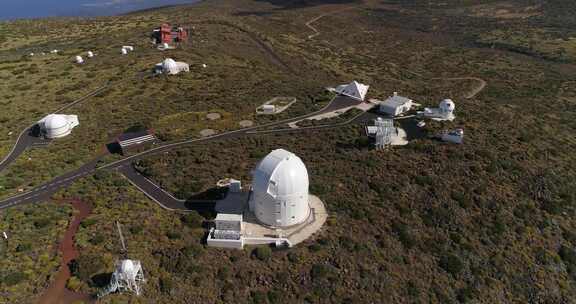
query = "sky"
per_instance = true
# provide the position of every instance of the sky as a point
(13, 9)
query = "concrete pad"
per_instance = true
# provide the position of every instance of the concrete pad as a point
(246, 123)
(208, 132)
(213, 116)
(295, 234)
(400, 138)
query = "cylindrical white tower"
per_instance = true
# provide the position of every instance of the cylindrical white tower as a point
(280, 190)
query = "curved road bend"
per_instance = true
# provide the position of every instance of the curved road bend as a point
(25, 140)
(44, 191)
(158, 195)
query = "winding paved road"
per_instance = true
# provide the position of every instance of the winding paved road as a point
(43, 192)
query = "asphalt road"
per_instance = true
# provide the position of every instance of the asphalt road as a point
(24, 141)
(161, 197)
(43, 192)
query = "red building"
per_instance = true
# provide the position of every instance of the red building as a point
(169, 34)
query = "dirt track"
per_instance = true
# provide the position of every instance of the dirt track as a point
(473, 92)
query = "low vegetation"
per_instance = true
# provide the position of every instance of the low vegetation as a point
(424, 223)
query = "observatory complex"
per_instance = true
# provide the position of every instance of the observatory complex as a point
(278, 209)
(57, 125)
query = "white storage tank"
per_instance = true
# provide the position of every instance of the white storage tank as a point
(280, 190)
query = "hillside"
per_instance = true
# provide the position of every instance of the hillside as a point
(489, 221)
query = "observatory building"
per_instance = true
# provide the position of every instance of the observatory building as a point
(280, 190)
(445, 111)
(354, 90)
(396, 105)
(171, 67)
(57, 125)
(278, 209)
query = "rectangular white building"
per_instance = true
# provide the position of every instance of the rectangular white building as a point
(396, 105)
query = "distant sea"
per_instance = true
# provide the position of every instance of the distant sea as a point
(19, 9)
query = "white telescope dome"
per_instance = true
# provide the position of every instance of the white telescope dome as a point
(169, 65)
(447, 105)
(58, 125)
(280, 190)
(79, 59)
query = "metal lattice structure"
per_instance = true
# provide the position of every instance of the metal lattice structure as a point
(384, 129)
(128, 275)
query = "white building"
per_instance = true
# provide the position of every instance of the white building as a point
(57, 125)
(90, 54)
(396, 105)
(268, 109)
(79, 59)
(171, 67)
(445, 111)
(280, 190)
(354, 90)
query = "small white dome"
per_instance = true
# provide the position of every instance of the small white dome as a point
(127, 266)
(447, 105)
(54, 122)
(169, 65)
(58, 125)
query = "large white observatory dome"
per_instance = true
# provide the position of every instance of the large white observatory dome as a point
(447, 105)
(280, 190)
(57, 125)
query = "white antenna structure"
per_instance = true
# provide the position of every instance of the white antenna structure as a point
(384, 129)
(128, 275)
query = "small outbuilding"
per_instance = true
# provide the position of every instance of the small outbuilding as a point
(169, 34)
(354, 90)
(396, 105)
(131, 140)
(79, 59)
(57, 125)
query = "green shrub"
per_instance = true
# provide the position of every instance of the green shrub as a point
(263, 253)
(192, 220)
(259, 297)
(320, 271)
(568, 255)
(14, 278)
(24, 247)
(173, 235)
(451, 264)
(166, 284)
